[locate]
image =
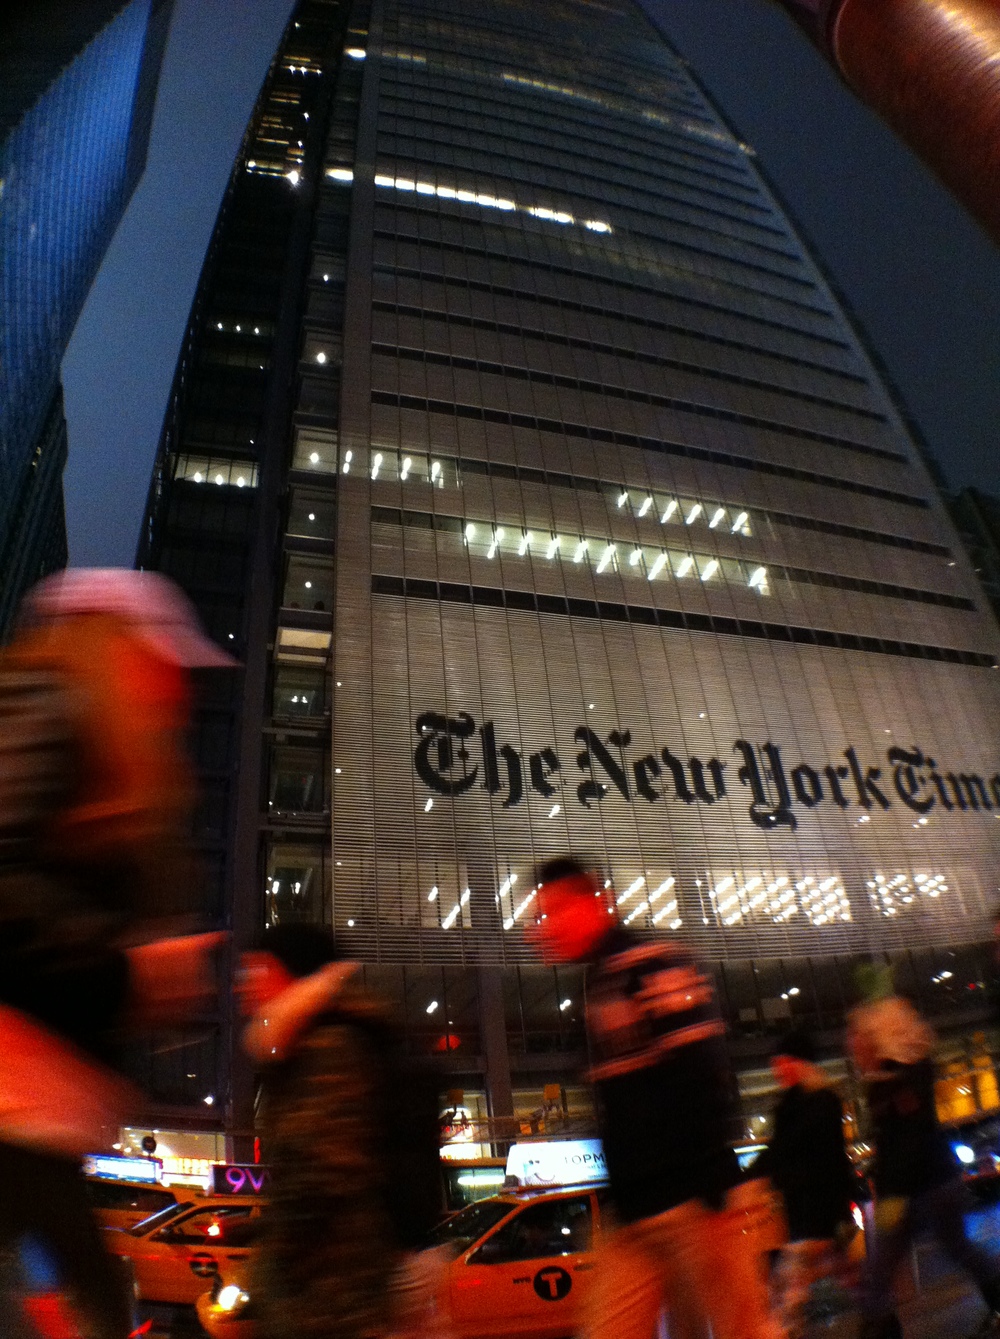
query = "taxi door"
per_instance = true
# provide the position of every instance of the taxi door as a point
(188, 1253)
(531, 1276)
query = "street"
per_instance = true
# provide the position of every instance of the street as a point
(943, 1306)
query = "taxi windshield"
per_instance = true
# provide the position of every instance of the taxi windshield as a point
(158, 1219)
(469, 1224)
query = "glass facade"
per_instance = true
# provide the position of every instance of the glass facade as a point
(576, 518)
(71, 155)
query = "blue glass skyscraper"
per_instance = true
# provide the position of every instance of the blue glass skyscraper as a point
(73, 147)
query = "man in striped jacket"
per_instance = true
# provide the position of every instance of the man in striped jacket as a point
(667, 1104)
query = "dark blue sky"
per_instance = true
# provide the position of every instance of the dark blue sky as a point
(921, 278)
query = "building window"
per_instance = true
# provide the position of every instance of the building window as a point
(299, 779)
(309, 584)
(315, 449)
(311, 514)
(298, 884)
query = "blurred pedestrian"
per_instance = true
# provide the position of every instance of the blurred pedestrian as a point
(917, 1180)
(666, 1096)
(95, 894)
(809, 1165)
(351, 1142)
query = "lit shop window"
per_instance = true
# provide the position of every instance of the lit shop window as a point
(485, 200)
(671, 510)
(222, 472)
(894, 895)
(315, 449)
(486, 539)
(741, 898)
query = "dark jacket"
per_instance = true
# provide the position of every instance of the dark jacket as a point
(332, 1232)
(663, 1077)
(808, 1162)
(912, 1152)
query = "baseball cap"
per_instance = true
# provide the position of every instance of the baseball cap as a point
(160, 612)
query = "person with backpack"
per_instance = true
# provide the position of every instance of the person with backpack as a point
(97, 909)
(667, 1102)
(349, 1132)
(917, 1181)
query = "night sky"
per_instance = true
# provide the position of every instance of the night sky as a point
(922, 280)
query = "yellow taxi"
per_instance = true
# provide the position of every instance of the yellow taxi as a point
(175, 1254)
(523, 1263)
(522, 1266)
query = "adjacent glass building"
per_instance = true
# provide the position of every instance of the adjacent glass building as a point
(524, 455)
(76, 103)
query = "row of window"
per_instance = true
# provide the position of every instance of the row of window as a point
(643, 322)
(628, 354)
(574, 143)
(552, 167)
(671, 134)
(460, 34)
(487, 539)
(633, 395)
(449, 96)
(452, 592)
(684, 449)
(617, 282)
(659, 255)
(447, 472)
(611, 98)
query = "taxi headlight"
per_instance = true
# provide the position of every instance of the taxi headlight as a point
(230, 1297)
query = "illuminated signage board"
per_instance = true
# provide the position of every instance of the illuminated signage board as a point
(240, 1179)
(109, 1168)
(566, 1162)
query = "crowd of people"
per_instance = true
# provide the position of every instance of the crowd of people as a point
(99, 935)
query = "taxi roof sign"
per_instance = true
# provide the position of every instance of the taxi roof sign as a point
(556, 1162)
(107, 1167)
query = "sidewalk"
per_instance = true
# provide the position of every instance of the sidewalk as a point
(945, 1305)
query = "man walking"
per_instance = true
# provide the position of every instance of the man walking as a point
(808, 1162)
(666, 1095)
(917, 1181)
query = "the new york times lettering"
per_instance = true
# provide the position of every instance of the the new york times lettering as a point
(454, 756)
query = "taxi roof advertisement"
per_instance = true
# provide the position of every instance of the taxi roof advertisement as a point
(565, 1162)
